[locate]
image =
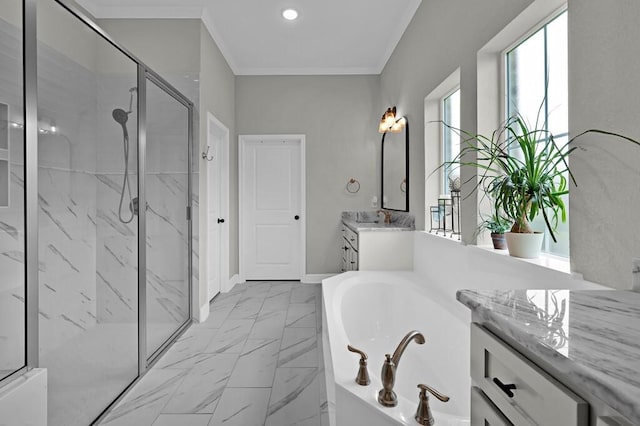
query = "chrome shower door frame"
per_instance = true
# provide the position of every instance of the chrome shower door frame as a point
(144, 74)
(30, 95)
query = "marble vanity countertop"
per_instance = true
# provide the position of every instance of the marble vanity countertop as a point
(360, 221)
(591, 336)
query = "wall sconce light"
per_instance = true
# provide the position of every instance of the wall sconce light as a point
(388, 122)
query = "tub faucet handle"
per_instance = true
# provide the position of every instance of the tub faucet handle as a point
(363, 375)
(423, 414)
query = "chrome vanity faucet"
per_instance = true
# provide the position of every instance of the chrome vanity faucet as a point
(387, 216)
(386, 396)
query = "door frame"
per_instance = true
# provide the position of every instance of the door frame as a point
(242, 141)
(223, 151)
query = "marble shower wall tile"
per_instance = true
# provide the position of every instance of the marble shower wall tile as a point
(117, 253)
(12, 285)
(167, 233)
(67, 251)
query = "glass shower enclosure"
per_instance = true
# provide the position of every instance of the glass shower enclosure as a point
(106, 286)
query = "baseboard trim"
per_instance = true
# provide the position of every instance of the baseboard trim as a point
(236, 279)
(315, 278)
(204, 312)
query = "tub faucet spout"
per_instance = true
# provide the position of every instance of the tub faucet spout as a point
(387, 397)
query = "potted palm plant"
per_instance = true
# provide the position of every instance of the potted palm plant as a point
(526, 172)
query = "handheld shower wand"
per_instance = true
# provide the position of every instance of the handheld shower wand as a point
(121, 116)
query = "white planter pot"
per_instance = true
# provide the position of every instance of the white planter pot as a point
(527, 246)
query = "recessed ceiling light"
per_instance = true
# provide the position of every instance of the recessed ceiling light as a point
(290, 14)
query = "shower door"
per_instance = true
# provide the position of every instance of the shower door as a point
(88, 234)
(167, 225)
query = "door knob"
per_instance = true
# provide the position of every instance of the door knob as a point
(296, 217)
(220, 220)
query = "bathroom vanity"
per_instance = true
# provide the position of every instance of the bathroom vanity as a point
(554, 357)
(370, 244)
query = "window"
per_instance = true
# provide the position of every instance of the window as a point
(537, 89)
(450, 138)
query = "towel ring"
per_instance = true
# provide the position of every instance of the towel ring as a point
(403, 185)
(353, 186)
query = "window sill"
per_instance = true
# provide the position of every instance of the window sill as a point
(446, 236)
(546, 260)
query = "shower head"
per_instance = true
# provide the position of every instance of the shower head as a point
(121, 116)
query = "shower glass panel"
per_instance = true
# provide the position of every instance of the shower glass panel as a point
(88, 236)
(12, 211)
(167, 192)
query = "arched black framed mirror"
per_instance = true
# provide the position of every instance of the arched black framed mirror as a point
(395, 167)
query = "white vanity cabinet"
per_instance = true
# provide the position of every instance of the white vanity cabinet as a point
(483, 412)
(554, 357)
(349, 249)
(374, 249)
(512, 390)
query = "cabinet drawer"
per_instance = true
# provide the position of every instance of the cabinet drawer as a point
(350, 236)
(537, 399)
(353, 260)
(484, 413)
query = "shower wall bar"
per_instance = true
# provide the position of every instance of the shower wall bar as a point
(142, 222)
(30, 69)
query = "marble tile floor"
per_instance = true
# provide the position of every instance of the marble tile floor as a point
(257, 360)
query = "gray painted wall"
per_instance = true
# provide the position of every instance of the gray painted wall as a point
(338, 115)
(604, 93)
(169, 46)
(443, 35)
(217, 95)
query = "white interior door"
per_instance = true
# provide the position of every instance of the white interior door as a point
(217, 206)
(272, 207)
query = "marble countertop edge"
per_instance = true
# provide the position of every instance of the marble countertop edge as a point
(620, 396)
(360, 227)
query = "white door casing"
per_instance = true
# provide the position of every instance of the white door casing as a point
(217, 233)
(272, 207)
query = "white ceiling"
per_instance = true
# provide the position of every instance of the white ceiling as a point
(329, 37)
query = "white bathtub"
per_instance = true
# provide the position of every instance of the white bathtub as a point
(373, 311)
